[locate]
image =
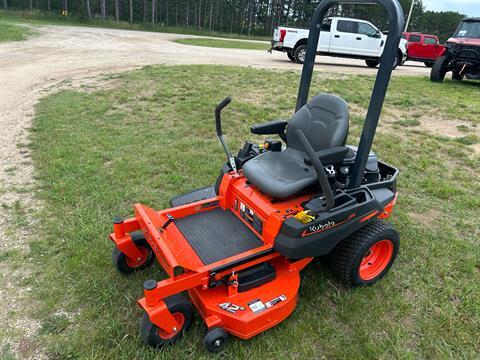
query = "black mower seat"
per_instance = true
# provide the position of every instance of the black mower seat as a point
(324, 121)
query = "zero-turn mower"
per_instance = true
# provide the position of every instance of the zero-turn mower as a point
(237, 248)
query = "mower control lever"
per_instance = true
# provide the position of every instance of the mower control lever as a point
(318, 166)
(218, 124)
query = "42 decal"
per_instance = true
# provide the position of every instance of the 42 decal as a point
(231, 308)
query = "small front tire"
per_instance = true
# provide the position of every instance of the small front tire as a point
(181, 309)
(126, 265)
(215, 339)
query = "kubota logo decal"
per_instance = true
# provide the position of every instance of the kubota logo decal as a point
(321, 227)
(314, 229)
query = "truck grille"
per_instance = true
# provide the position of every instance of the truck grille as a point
(469, 53)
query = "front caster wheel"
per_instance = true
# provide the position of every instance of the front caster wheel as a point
(215, 339)
(181, 309)
(126, 265)
(365, 256)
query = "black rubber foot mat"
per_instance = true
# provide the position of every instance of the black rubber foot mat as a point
(216, 235)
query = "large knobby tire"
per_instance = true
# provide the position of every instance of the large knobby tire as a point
(365, 256)
(291, 56)
(182, 311)
(125, 265)
(372, 63)
(438, 69)
(299, 53)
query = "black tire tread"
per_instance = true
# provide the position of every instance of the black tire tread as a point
(437, 73)
(342, 258)
(213, 334)
(118, 258)
(297, 50)
(175, 303)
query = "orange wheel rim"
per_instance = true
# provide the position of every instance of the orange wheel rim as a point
(376, 259)
(134, 263)
(180, 319)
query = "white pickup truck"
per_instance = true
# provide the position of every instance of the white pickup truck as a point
(342, 37)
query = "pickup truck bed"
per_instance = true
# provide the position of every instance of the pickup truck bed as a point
(341, 37)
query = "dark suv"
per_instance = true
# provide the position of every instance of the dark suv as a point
(461, 55)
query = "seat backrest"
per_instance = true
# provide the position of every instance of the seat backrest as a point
(324, 121)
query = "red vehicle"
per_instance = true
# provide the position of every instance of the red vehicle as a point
(422, 47)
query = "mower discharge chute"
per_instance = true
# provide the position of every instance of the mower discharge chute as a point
(237, 248)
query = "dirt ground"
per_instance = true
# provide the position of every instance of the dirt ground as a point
(29, 70)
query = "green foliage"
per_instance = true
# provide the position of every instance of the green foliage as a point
(251, 18)
(152, 137)
(442, 24)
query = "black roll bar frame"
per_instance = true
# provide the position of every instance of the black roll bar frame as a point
(396, 24)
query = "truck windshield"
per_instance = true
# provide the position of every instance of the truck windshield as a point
(468, 29)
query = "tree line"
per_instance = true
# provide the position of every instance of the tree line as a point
(246, 17)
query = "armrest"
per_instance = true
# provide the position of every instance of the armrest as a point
(330, 156)
(269, 128)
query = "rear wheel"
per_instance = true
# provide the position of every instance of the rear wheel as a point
(457, 76)
(439, 70)
(299, 54)
(365, 256)
(372, 63)
(290, 56)
(397, 61)
(181, 309)
(126, 265)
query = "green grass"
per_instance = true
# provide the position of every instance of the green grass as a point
(12, 32)
(224, 44)
(153, 137)
(45, 18)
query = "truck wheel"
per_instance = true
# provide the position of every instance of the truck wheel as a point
(398, 60)
(428, 64)
(125, 265)
(365, 257)
(372, 63)
(290, 56)
(456, 76)
(300, 53)
(438, 70)
(182, 311)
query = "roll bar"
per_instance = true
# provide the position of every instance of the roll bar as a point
(396, 24)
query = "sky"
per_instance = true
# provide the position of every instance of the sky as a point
(467, 7)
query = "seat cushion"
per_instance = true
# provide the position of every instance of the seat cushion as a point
(280, 174)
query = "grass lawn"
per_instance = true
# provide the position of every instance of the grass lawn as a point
(151, 135)
(12, 32)
(226, 44)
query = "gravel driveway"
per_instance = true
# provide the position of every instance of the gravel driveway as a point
(27, 70)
